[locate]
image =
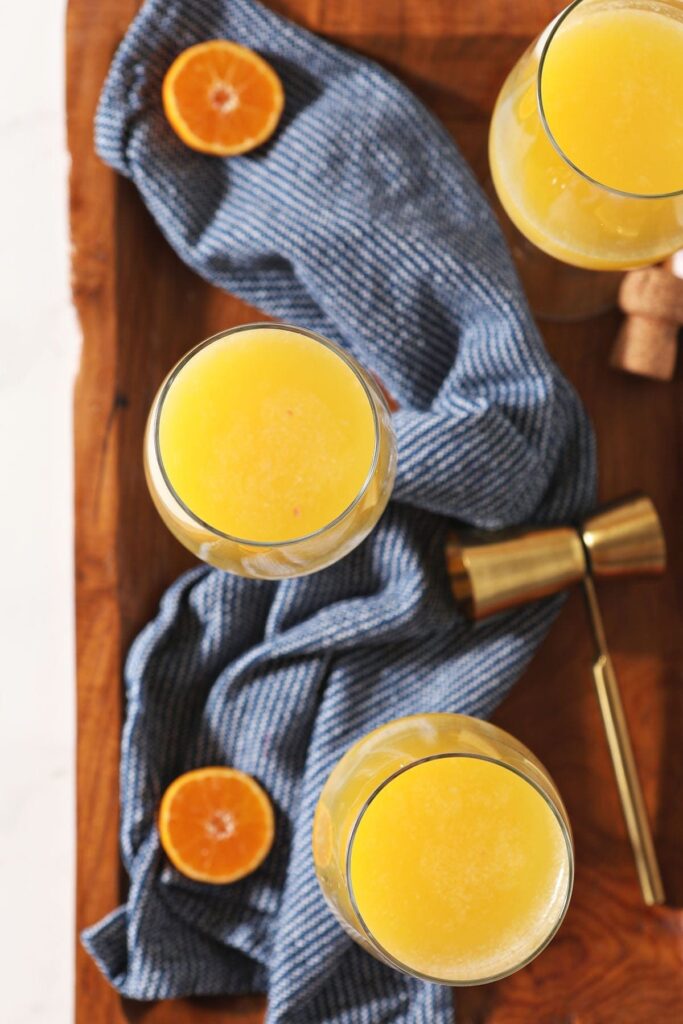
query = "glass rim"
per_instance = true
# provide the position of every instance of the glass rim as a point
(552, 30)
(357, 371)
(566, 835)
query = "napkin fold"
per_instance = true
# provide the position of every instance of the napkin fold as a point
(360, 220)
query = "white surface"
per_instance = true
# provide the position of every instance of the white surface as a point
(38, 355)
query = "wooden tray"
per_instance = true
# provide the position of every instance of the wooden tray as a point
(614, 962)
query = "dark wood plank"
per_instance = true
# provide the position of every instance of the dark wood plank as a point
(614, 962)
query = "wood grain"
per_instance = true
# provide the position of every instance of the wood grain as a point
(614, 962)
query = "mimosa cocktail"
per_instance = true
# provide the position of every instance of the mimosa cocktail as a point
(586, 142)
(269, 451)
(443, 846)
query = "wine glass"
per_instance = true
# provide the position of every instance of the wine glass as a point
(586, 151)
(269, 451)
(443, 848)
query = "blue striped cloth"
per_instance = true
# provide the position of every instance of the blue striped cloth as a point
(360, 220)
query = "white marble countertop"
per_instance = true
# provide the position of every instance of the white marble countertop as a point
(39, 344)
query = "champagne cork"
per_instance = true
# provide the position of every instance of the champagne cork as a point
(652, 300)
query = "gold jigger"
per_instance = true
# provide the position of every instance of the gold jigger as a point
(493, 571)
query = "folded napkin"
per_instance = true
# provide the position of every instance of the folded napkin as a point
(360, 220)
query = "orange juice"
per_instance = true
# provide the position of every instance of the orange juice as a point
(267, 435)
(593, 184)
(262, 438)
(443, 845)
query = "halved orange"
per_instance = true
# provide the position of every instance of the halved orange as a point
(216, 824)
(222, 98)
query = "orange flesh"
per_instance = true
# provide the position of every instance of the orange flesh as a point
(222, 98)
(216, 824)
